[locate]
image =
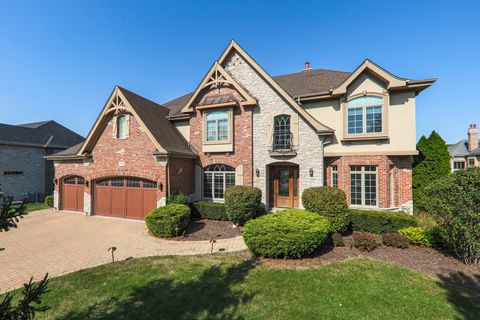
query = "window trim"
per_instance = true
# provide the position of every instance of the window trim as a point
(212, 172)
(362, 173)
(283, 115)
(364, 135)
(468, 162)
(459, 161)
(117, 131)
(333, 171)
(229, 112)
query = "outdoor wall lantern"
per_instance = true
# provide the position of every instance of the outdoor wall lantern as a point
(86, 183)
(55, 181)
(310, 171)
(160, 186)
(257, 172)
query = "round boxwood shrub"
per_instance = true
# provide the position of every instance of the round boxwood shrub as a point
(209, 210)
(455, 203)
(329, 202)
(168, 221)
(49, 201)
(241, 203)
(290, 234)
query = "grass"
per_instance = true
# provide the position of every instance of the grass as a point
(229, 287)
(29, 207)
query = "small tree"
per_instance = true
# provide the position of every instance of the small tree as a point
(10, 215)
(432, 163)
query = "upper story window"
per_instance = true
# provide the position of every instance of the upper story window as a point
(365, 115)
(282, 135)
(471, 162)
(458, 165)
(122, 127)
(217, 126)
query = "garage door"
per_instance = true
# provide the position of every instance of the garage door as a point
(73, 193)
(125, 197)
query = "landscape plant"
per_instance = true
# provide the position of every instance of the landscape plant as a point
(168, 221)
(417, 236)
(242, 203)
(365, 241)
(291, 233)
(375, 221)
(329, 202)
(455, 203)
(209, 210)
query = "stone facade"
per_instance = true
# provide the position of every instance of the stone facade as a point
(116, 157)
(309, 153)
(22, 171)
(394, 176)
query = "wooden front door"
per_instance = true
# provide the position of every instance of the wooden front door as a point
(285, 186)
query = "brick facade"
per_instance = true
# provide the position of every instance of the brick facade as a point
(394, 175)
(242, 143)
(116, 157)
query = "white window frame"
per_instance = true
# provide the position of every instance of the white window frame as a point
(206, 172)
(349, 103)
(364, 108)
(462, 162)
(468, 163)
(125, 129)
(216, 125)
(362, 173)
(333, 173)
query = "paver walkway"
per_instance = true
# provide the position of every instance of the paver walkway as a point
(62, 242)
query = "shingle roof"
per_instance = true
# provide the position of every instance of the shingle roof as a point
(295, 84)
(155, 118)
(460, 149)
(39, 134)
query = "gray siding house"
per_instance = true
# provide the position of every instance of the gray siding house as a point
(465, 153)
(23, 168)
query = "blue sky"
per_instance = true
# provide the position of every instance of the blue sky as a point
(60, 60)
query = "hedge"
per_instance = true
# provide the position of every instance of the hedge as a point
(289, 234)
(168, 221)
(177, 198)
(380, 221)
(49, 201)
(329, 202)
(242, 203)
(209, 210)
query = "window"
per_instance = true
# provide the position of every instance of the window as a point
(282, 136)
(217, 126)
(216, 179)
(471, 163)
(334, 176)
(458, 165)
(133, 182)
(122, 127)
(365, 115)
(149, 184)
(7, 173)
(363, 185)
(117, 182)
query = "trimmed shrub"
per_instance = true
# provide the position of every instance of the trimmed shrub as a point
(455, 203)
(393, 239)
(168, 221)
(241, 203)
(365, 241)
(380, 221)
(290, 234)
(417, 236)
(209, 210)
(337, 240)
(177, 198)
(49, 201)
(329, 202)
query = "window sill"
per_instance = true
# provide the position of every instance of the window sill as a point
(220, 147)
(350, 137)
(276, 153)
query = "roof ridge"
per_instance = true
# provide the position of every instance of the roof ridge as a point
(311, 70)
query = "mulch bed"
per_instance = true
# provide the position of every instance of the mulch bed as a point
(209, 229)
(426, 260)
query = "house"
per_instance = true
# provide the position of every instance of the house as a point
(23, 168)
(465, 153)
(241, 126)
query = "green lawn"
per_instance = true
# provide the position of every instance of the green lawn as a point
(35, 206)
(228, 287)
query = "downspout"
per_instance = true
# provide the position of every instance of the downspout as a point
(168, 177)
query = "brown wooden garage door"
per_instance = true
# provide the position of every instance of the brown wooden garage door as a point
(73, 193)
(125, 197)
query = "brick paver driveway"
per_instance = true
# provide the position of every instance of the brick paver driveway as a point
(61, 242)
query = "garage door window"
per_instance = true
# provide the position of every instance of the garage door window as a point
(117, 182)
(133, 183)
(149, 184)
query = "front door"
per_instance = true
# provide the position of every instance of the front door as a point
(285, 186)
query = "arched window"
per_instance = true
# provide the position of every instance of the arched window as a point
(217, 126)
(216, 179)
(365, 115)
(282, 136)
(122, 127)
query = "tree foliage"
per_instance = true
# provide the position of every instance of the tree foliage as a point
(432, 163)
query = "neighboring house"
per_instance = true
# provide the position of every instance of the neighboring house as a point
(465, 153)
(354, 131)
(23, 168)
